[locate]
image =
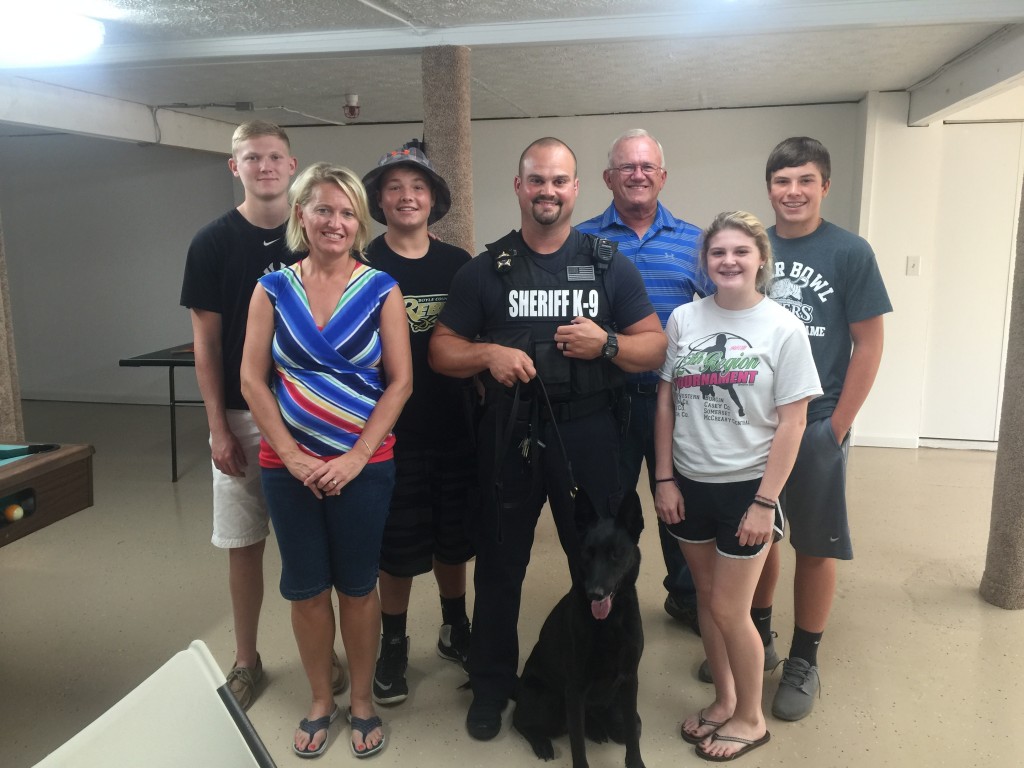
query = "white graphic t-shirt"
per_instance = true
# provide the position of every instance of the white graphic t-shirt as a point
(729, 371)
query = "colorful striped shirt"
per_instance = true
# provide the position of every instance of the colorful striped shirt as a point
(668, 257)
(327, 380)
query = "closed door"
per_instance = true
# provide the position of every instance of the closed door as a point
(971, 279)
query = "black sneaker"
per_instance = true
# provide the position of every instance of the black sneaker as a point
(683, 611)
(483, 721)
(453, 643)
(389, 686)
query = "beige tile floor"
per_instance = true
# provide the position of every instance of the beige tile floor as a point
(917, 668)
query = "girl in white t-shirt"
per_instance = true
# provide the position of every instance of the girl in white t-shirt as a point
(731, 410)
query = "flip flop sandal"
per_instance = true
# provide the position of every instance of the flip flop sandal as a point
(689, 738)
(312, 727)
(363, 726)
(748, 744)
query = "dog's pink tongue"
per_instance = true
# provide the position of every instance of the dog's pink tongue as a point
(601, 608)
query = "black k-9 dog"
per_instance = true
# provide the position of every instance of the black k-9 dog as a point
(582, 675)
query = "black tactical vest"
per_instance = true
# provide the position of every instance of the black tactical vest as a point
(536, 302)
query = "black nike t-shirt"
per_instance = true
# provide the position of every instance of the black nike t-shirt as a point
(224, 261)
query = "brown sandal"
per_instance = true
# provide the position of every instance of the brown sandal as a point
(748, 744)
(690, 738)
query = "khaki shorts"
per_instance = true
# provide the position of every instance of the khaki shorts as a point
(239, 511)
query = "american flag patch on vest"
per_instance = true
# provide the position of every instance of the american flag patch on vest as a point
(580, 274)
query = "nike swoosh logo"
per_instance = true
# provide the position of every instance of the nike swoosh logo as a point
(382, 686)
(271, 242)
(833, 539)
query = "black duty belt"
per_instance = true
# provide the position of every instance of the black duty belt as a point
(642, 388)
(579, 407)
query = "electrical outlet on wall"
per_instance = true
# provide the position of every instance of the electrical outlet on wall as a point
(913, 266)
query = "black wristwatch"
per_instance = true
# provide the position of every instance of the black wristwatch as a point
(611, 347)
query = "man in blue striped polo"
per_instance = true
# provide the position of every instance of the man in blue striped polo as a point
(665, 250)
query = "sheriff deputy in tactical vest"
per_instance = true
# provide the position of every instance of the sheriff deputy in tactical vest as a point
(550, 318)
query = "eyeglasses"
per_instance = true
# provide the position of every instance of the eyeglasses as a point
(628, 169)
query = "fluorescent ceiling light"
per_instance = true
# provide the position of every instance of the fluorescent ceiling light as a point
(35, 34)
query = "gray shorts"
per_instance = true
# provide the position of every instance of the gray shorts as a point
(239, 511)
(814, 499)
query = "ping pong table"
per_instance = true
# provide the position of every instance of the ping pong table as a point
(172, 358)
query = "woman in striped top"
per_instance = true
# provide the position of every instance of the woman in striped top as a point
(331, 335)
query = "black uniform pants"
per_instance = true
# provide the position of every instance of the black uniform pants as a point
(505, 527)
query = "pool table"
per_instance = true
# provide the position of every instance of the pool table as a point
(49, 481)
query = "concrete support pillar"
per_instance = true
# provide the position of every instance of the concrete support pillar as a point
(12, 427)
(1002, 584)
(446, 131)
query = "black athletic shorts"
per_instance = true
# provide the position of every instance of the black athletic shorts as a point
(436, 493)
(714, 512)
(815, 495)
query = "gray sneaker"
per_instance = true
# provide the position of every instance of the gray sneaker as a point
(795, 698)
(771, 661)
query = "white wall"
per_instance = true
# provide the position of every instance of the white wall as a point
(95, 234)
(715, 158)
(886, 184)
(96, 231)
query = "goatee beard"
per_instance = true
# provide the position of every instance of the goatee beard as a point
(546, 216)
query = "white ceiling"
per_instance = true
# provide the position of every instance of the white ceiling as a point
(296, 59)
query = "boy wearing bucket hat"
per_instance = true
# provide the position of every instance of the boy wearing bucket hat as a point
(434, 452)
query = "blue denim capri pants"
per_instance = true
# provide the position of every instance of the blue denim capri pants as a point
(333, 541)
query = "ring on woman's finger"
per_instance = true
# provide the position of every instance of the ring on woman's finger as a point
(333, 483)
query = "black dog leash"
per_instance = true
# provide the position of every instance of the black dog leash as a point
(503, 438)
(573, 488)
